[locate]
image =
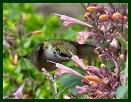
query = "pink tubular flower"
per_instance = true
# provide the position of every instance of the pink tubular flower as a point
(78, 61)
(82, 89)
(93, 67)
(59, 72)
(82, 36)
(64, 69)
(69, 20)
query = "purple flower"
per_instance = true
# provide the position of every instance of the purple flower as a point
(93, 67)
(69, 20)
(18, 94)
(81, 89)
(6, 44)
(114, 43)
(7, 41)
(126, 26)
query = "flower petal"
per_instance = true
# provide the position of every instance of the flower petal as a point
(82, 36)
(71, 20)
(67, 70)
(59, 72)
(67, 23)
(18, 94)
(78, 61)
(82, 89)
(114, 43)
(87, 68)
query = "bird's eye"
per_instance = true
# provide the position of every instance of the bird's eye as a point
(63, 55)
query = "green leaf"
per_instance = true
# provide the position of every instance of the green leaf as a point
(68, 79)
(66, 88)
(121, 91)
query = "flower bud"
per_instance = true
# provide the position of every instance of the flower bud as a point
(15, 60)
(103, 17)
(99, 92)
(91, 8)
(125, 17)
(103, 65)
(116, 16)
(86, 4)
(93, 84)
(87, 14)
(92, 78)
(23, 16)
(4, 19)
(36, 32)
(102, 28)
(106, 80)
(122, 57)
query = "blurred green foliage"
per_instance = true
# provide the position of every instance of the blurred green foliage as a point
(51, 28)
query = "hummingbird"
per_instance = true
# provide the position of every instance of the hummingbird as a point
(58, 51)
